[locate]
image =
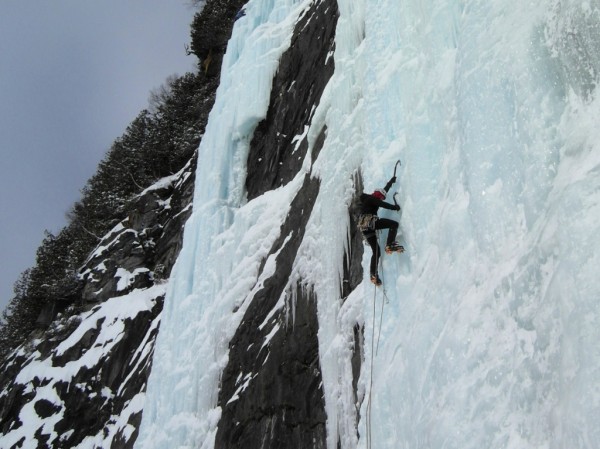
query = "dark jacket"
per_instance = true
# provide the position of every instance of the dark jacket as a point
(369, 204)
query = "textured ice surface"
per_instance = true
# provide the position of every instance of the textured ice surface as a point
(490, 336)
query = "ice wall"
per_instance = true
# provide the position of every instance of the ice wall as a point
(490, 328)
(490, 335)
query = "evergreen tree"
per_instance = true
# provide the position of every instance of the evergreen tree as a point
(211, 29)
(18, 318)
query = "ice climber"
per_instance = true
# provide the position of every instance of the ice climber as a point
(369, 223)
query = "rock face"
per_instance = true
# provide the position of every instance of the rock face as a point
(271, 395)
(304, 71)
(82, 380)
(143, 247)
(271, 390)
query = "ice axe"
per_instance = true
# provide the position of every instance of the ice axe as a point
(396, 168)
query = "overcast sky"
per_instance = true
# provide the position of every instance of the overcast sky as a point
(73, 74)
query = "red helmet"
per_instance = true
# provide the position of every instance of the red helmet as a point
(379, 194)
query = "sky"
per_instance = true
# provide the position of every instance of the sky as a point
(73, 74)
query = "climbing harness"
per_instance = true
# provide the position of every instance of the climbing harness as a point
(366, 222)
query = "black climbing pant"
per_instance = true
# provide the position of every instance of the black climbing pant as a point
(371, 237)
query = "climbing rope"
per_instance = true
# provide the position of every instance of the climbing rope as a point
(375, 347)
(383, 300)
(369, 403)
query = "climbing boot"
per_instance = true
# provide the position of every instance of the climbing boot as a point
(375, 279)
(394, 247)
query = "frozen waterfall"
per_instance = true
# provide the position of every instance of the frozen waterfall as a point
(490, 335)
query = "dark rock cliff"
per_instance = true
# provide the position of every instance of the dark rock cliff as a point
(271, 391)
(304, 71)
(271, 394)
(82, 377)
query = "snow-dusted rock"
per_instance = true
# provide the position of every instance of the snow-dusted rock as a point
(81, 383)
